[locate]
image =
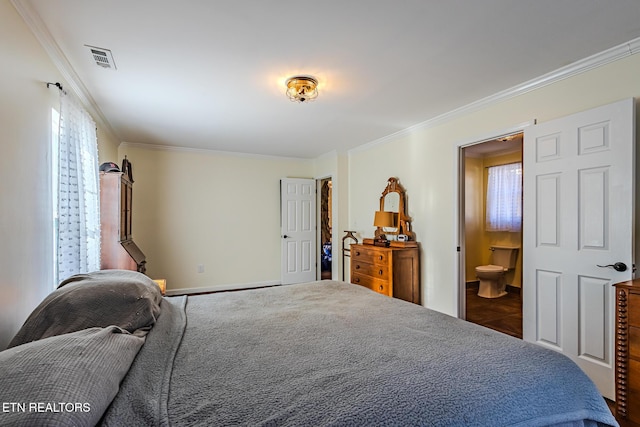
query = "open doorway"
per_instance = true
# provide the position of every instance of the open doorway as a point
(325, 250)
(491, 230)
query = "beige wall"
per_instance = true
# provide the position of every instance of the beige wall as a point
(107, 146)
(474, 216)
(425, 161)
(26, 265)
(220, 211)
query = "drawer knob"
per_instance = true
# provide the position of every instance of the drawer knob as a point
(357, 253)
(380, 257)
(357, 280)
(381, 287)
(357, 266)
(380, 272)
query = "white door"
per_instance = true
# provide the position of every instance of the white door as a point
(578, 216)
(298, 230)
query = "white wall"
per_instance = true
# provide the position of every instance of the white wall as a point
(221, 211)
(335, 165)
(26, 267)
(425, 162)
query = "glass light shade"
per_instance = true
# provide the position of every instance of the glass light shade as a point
(302, 88)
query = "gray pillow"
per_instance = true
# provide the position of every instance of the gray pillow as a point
(65, 380)
(123, 298)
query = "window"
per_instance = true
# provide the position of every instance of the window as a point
(504, 198)
(55, 141)
(76, 198)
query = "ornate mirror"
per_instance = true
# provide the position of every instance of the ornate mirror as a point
(392, 219)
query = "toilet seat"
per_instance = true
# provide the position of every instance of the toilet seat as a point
(490, 269)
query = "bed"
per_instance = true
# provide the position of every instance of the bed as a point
(314, 354)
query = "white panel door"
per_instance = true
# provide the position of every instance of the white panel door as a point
(578, 219)
(298, 230)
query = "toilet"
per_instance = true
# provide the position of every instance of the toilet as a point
(492, 283)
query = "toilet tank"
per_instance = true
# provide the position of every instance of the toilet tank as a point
(504, 256)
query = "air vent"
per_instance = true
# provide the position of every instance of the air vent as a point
(103, 57)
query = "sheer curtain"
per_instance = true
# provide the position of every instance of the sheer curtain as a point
(78, 198)
(504, 198)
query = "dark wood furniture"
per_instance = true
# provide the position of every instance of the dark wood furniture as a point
(389, 267)
(391, 271)
(628, 350)
(118, 249)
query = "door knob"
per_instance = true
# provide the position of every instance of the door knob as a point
(285, 237)
(618, 266)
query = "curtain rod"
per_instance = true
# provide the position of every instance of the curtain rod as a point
(58, 85)
(505, 164)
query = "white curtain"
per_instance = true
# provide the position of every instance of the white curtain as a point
(78, 198)
(504, 198)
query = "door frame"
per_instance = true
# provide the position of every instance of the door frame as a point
(459, 226)
(319, 229)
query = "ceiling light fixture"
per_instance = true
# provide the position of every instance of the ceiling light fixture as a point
(302, 88)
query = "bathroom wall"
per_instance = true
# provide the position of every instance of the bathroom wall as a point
(477, 240)
(474, 200)
(502, 238)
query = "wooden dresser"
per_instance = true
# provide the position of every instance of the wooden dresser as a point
(117, 248)
(391, 271)
(628, 350)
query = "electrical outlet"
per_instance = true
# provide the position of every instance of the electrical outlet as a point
(200, 268)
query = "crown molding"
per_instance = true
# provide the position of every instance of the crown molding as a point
(608, 56)
(158, 147)
(73, 81)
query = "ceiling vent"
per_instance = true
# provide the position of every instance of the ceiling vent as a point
(103, 57)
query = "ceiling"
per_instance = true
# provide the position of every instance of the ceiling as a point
(210, 74)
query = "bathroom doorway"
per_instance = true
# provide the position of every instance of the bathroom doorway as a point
(490, 227)
(325, 250)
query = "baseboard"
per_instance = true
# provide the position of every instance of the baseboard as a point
(222, 288)
(513, 289)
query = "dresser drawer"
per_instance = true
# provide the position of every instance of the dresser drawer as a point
(377, 285)
(373, 270)
(633, 391)
(392, 271)
(378, 256)
(634, 311)
(634, 343)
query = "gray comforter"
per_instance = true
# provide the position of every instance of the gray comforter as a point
(331, 353)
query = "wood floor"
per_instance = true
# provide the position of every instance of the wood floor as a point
(504, 314)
